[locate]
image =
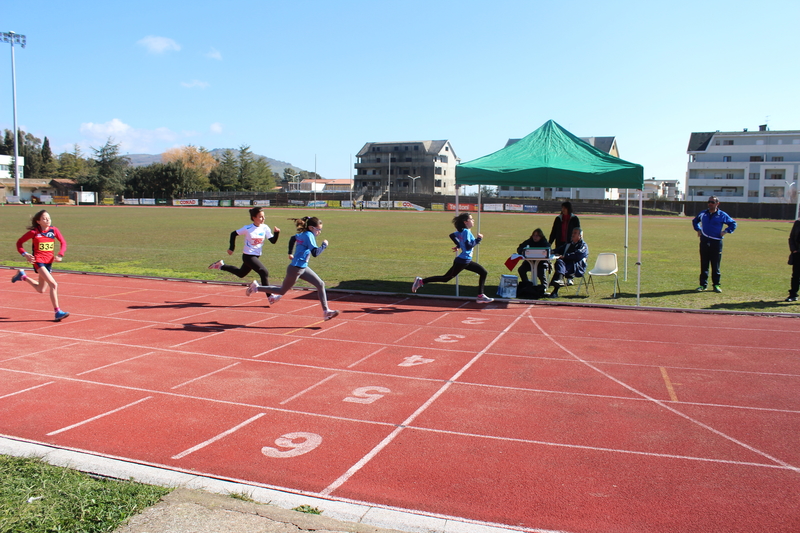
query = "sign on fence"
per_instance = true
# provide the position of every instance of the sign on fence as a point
(185, 201)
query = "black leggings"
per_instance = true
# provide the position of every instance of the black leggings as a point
(457, 267)
(249, 262)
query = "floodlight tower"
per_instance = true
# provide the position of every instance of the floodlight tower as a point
(11, 37)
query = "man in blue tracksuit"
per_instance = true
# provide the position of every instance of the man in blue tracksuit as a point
(711, 226)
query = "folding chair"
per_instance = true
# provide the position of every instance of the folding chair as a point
(605, 265)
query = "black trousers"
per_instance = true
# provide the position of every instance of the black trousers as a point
(795, 283)
(249, 263)
(710, 255)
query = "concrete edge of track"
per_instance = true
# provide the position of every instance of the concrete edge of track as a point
(455, 298)
(340, 510)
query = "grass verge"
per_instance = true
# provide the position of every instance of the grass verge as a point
(37, 497)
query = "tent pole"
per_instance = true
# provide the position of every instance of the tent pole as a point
(626, 235)
(478, 251)
(457, 213)
(639, 261)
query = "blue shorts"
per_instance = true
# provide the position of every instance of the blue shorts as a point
(37, 266)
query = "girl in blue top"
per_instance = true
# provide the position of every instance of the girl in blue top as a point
(465, 242)
(305, 242)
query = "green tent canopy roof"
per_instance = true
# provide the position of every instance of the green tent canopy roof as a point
(551, 157)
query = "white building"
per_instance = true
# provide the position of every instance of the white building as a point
(744, 166)
(7, 167)
(385, 170)
(657, 189)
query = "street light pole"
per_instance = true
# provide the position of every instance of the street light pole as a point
(12, 38)
(414, 186)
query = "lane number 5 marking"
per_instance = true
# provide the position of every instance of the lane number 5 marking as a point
(367, 394)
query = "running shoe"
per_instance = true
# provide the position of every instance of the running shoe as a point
(791, 299)
(717, 288)
(570, 282)
(216, 265)
(253, 287)
(18, 276)
(273, 298)
(483, 299)
(327, 315)
(417, 284)
(701, 288)
(61, 315)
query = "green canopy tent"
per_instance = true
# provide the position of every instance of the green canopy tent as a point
(553, 157)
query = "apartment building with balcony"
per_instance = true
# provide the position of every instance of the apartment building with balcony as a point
(606, 144)
(388, 170)
(744, 166)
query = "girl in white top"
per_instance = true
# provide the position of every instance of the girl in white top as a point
(254, 236)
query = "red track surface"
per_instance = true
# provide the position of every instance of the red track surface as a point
(529, 416)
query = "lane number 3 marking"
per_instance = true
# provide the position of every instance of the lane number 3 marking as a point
(307, 442)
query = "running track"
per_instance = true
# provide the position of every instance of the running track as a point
(531, 417)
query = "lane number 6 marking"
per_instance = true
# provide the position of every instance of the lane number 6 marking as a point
(309, 442)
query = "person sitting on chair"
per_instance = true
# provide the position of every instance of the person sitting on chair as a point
(570, 261)
(536, 240)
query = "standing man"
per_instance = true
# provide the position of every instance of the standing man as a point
(794, 260)
(711, 226)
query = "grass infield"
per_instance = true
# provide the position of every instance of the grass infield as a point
(385, 250)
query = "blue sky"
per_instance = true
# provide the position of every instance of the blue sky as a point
(309, 82)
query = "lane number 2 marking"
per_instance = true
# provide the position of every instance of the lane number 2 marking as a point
(308, 441)
(367, 395)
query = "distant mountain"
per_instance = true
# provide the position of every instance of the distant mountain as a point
(142, 160)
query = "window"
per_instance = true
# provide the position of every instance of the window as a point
(752, 194)
(756, 158)
(755, 176)
(777, 158)
(377, 159)
(408, 160)
(727, 143)
(760, 141)
(437, 170)
(726, 159)
(438, 183)
(729, 176)
(416, 148)
(775, 176)
(443, 158)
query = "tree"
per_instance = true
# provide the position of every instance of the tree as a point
(72, 165)
(49, 163)
(8, 143)
(109, 170)
(225, 176)
(191, 157)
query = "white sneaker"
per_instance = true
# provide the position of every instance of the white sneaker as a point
(417, 284)
(483, 299)
(273, 298)
(253, 287)
(216, 265)
(327, 315)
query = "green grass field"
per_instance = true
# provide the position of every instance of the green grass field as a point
(384, 250)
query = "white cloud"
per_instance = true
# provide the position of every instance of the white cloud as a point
(195, 83)
(216, 127)
(159, 45)
(214, 54)
(130, 139)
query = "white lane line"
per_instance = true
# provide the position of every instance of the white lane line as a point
(664, 404)
(204, 376)
(118, 409)
(217, 437)
(26, 390)
(287, 400)
(115, 363)
(389, 438)
(379, 350)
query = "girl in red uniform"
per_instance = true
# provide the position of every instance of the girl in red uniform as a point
(44, 236)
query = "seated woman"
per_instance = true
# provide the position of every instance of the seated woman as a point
(570, 262)
(536, 240)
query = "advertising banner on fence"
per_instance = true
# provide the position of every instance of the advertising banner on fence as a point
(492, 207)
(462, 207)
(531, 208)
(513, 207)
(409, 205)
(108, 201)
(130, 201)
(264, 203)
(334, 203)
(437, 207)
(185, 201)
(317, 203)
(370, 204)
(85, 197)
(241, 203)
(46, 198)
(210, 203)
(147, 201)
(225, 203)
